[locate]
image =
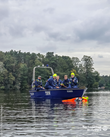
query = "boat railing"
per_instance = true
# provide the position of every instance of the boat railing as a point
(40, 67)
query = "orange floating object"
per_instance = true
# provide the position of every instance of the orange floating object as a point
(73, 100)
(69, 100)
(84, 100)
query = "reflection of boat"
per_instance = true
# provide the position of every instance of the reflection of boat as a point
(62, 93)
(47, 101)
(42, 103)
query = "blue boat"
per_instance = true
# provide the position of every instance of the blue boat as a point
(62, 93)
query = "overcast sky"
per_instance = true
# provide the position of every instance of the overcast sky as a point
(66, 27)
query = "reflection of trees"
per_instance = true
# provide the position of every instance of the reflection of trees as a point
(21, 111)
(14, 104)
(16, 100)
(88, 109)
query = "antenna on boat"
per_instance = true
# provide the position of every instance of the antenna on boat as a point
(41, 67)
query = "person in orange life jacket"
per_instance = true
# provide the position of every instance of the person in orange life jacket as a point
(65, 83)
(50, 84)
(73, 81)
(58, 82)
(38, 84)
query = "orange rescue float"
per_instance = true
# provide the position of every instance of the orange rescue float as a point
(73, 100)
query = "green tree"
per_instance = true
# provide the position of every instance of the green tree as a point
(87, 63)
(16, 69)
(76, 63)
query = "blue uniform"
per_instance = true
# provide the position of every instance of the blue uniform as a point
(50, 84)
(66, 83)
(38, 83)
(58, 83)
(75, 83)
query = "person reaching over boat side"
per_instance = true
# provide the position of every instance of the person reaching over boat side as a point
(65, 83)
(58, 82)
(50, 84)
(38, 83)
(73, 81)
(49, 77)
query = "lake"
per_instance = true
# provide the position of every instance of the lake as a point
(21, 116)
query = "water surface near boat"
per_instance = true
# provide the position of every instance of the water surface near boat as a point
(22, 116)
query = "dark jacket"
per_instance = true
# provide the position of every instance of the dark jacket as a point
(72, 84)
(50, 82)
(58, 83)
(66, 82)
(38, 83)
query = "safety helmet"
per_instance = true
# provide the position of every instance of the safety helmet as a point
(54, 75)
(72, 74)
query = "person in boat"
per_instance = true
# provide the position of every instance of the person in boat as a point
(49, 77)
(50, 84)
(65, 83)
(38, 83)
(33, 84)
(73, 81)
(58, 82)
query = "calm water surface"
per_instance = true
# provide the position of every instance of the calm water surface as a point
(25, 117)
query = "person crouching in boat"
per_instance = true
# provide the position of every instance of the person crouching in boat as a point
(58, 82)
(65, 83)
(38, 83)
(50, 84)
(73, 81)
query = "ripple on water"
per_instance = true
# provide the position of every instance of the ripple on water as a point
(51, 118)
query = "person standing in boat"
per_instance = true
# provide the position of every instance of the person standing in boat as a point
(73, 81)
(50, 84)
(58, 82)
(38, 83)
(65, 83)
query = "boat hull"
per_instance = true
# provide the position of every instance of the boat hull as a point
(58, 93)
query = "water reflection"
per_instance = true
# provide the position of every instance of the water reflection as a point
(22, 116)
(55, 104)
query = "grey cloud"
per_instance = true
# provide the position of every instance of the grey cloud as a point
(49, 10)
(65, 18)
(51, 34)
(68, 27)
(47, 48)
(4, 12)
(100, 56)
(95, 29)
(38, 28)
(59, 36)
(4, 1)
(16, 30)
(108, 1)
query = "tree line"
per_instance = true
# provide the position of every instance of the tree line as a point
(16, 69)
(105, 82)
